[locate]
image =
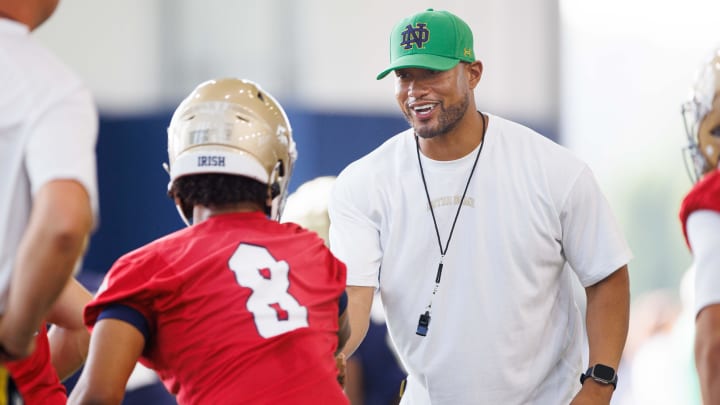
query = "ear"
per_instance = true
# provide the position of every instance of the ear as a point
(474, 71)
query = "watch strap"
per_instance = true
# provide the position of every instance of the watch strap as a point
(606, 379)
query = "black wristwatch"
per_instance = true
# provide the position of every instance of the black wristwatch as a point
(602, 374)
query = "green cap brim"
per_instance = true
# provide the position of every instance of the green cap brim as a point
(422, 61)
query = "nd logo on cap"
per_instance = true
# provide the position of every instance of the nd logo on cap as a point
(417, 36)
(435, 40)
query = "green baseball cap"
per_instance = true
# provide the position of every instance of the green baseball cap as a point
(436, 40)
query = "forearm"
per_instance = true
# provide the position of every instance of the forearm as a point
(36, 284)
(707, 353)
(55, 239)
(39, 278)
(608, 313)
(343, 331)
(68, 350)
(115, 347)
(359, 303)
(69, 337)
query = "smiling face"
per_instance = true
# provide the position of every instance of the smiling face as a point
(435, 102)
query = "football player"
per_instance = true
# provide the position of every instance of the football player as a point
(238, 307)
(700, 218)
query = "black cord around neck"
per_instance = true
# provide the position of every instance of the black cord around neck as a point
(424, 321)
(443, 251)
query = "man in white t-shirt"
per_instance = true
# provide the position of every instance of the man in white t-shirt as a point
(48, 195)
(700, 219)
(473, 227)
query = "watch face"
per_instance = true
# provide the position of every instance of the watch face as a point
(604, 372)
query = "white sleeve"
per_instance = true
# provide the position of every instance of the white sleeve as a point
(354, 234)
(62, 143)
(703, 229)
(592, 240)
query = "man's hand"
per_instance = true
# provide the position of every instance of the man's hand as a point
(341, 364)
(13, 347)
(593, 393)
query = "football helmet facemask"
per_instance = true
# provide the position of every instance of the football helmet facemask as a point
(701, 116)
(232, 126)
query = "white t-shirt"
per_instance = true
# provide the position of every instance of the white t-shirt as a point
(704, 236)
(48, 131)
(505, 328)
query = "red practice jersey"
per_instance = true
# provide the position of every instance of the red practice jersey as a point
(35, 378)
(241, 309)
(705, 195)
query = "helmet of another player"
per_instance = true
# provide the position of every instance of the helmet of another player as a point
(232, 126)
(308, 206)
(701, 114)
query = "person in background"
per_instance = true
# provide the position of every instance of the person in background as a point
(236, 308)
(48, 196)
(373, 372)
(700, 219)
(307, 206)
(465, 223)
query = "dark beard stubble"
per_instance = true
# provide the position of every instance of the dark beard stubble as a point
(448, 120)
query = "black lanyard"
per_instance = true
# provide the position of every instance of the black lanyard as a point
(424, 322)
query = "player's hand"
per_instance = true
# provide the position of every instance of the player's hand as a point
(341, 364)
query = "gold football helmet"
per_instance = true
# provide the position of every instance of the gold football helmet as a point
(232, 126)
(308, 206)
(701, 115)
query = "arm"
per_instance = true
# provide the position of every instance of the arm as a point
(56, 236)
(343, 331)
(69, 338)
(359, 302)
(354, 383)
(702, 226)
(608, 313)
(707, 352)
(115, 347)
(343, 335)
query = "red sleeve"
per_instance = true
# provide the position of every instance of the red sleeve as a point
(35, 377)
(135, 280)
(705, 195)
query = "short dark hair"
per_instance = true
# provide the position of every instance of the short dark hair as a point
(217, 189)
